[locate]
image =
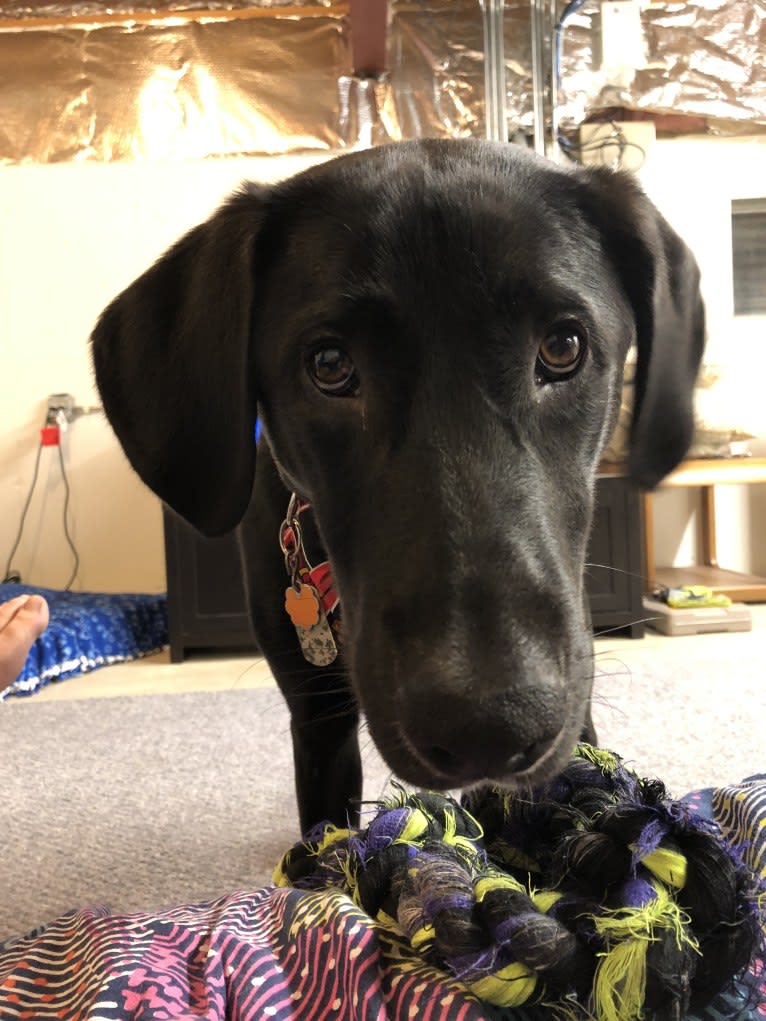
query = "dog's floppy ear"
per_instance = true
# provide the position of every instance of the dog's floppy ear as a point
(172, 363)
(661, 279)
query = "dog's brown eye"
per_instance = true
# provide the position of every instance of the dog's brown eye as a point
(333, 372)
(561, 352)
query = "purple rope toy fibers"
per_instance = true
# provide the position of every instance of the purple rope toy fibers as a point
(595, 894)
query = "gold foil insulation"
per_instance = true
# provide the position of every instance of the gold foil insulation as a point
(174, 87)
(86, 81)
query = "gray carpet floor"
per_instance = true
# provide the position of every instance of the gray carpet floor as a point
(140, 803)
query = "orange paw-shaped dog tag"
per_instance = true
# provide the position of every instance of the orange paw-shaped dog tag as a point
(302, 606)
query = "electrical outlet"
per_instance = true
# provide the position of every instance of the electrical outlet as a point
(61, 403)
(61, 410)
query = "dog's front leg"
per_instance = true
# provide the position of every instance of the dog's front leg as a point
(328, 767)
(323, 710)
(324, 717)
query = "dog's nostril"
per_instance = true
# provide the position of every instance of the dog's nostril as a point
(531, 755)
(518, 762)
(464, 742)
(465, 761)
(487, 761)
(443, 759)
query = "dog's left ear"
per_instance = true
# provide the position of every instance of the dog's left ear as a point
(661, 280)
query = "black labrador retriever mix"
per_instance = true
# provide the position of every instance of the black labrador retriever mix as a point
(432, 335)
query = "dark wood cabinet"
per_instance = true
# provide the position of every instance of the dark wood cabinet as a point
(207, 607)
(613, 572)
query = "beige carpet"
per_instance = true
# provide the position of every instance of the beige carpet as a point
(142, 802)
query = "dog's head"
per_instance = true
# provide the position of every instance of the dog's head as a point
(433, 335)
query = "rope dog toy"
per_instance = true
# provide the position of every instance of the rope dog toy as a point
(595, 891)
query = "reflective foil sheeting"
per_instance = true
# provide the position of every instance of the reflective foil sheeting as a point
(263, 85)
(196, 78)
(56, 9)
(704, 59)
(436, 52)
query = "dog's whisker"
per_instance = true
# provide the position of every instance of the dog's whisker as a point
(303, 687)
(308, 675)
(616, 675)
(646, 582)
(599, 654)
(614, 658)
(343, 713)
(624, 627)
(286, 654)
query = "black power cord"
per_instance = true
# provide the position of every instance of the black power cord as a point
(615, 143)
(11, 575)
(67, 534)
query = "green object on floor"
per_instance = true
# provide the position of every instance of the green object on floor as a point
(689, 597)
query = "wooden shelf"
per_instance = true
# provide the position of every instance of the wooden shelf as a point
(742, 588)
(730, 471)
(706, 475)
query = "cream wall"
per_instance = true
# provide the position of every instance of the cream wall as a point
(74, 234)
(693, 181)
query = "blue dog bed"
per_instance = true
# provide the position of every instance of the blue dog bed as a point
(88, 630)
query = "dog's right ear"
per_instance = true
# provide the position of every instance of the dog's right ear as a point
(172, 359)
(662, 282)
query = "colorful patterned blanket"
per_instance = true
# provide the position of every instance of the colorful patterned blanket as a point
(282, 953)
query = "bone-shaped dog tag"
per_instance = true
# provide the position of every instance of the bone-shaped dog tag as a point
(311, 625)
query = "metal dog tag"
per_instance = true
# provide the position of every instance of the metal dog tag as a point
(311, 625)
(317, 643)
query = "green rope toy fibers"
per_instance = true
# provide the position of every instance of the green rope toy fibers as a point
(595, 893)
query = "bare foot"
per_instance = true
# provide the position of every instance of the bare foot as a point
(22, 619)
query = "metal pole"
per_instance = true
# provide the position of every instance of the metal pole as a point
(539, 77)
(553, 19)
(494, 70)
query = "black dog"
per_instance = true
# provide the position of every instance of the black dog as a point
(432, 335)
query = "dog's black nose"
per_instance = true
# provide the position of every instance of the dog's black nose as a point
(460, 741)
(466, 765)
